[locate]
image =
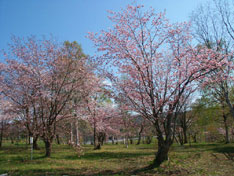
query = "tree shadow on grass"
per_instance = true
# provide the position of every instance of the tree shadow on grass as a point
(70, 172)
(47, 172)
(107, 155)
(198, 147)
(224, 149)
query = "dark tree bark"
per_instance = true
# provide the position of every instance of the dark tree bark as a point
(162, 153)
(226, 129)
(139, 135)
(101, 136)
(149, 139)
(94, 136)
(185, 135)
(57, 139)
(194, 138)
(48, 147)
(35, 145)
(1, 133)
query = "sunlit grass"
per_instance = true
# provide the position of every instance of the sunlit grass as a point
(198, 159)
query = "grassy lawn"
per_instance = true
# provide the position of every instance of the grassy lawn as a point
(199, 159)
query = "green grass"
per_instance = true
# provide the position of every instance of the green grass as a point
(199, 159)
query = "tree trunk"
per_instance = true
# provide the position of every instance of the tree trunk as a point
(161, 155)
(29, 134)
(94, 136)
(1, 135)
(35, 145)
(181, 138)
(139, 135)
(71, 134)
(57, 139)
(139, 140)
(226, 130)
(163, 144)
(48, 148)
(194, 138)
(126, 141)
(185, 135)
(149, 139)
(77, 133)
(231, 109)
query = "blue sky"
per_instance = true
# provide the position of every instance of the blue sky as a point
(72, 19)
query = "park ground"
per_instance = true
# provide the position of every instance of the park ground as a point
(197, 159)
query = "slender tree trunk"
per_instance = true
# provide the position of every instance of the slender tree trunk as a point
(194, 138)
(94, 136)
(29, 134)
(149, 139)
(231, 108)
(113, 140)
(139, 140)
(71, 134)
(1, 134)
(126, 141)
(181, 138)
(226, 130)
(139, 135)
(185, 134)
(77, 133)
(57, 139)
(225, 124)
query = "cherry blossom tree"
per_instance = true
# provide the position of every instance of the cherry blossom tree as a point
(4, 119)
(101, 115)
(159, 64)
(41, 79)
